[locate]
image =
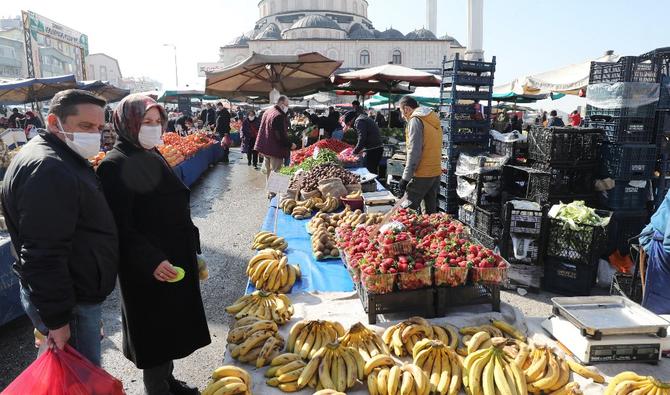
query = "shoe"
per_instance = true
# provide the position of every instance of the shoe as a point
(248, 164)
(178, 387)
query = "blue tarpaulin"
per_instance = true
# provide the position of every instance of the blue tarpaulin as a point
(191, 169)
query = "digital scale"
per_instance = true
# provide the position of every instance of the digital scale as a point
(607, 329)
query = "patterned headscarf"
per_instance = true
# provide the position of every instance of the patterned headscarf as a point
(129, 114)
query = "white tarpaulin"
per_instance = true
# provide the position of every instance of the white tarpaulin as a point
(569, 79)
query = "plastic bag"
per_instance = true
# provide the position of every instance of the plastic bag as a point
(226, 142)
(64, 372)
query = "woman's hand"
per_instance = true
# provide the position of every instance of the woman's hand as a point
(164, 272)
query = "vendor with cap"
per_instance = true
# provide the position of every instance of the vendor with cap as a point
(369, 139)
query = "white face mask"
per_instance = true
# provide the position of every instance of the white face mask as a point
(252, 117)
(86, 145)
(284, 108)
(150, 136)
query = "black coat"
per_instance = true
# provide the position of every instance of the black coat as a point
(61, 227)
(161, 321)
(222, 122)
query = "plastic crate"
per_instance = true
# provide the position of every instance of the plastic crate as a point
(525, 275)
(465, 135)
(625, 196)
(522, 221)
(449, 180)
(395, 302)
(582, 247)
(482, 192)
(607, 114)
(664, 100)
(517, 150)
(455, 96)
(628, 161)
(395, 167)
(476, 294)
(624, 226)
(627, 285)
(447, 206)
(473, 66)
(526, 183)
(451, 78)
(488, 221)
(627, 69)
(625, 130)
(660, 190)
(484, 239)
(564, 145)
(466, 214)
(569, 180)
(567, 278)
(453, 150)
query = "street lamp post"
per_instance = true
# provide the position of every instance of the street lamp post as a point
(176, 73)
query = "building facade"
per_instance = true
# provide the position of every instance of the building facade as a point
(100, 66)
(338, 29)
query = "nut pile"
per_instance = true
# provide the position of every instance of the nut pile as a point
(310, 181)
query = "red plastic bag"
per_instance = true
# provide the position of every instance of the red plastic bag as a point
(226, 142)
(64, 372)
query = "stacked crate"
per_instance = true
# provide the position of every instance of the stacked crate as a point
(630, 148)
(466, 129)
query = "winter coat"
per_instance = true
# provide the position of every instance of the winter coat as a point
(272, 137)
(61, 228)
(369, 135)
(161, 321)
(423, 139)
(222, 122)
(249, 134)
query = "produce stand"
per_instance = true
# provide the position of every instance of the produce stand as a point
(190, 170)
(10, 301)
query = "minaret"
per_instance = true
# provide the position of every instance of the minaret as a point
(475, 49)
(431, 16)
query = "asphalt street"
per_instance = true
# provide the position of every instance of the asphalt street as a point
(228, 206)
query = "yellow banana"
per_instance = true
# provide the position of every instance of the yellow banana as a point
(378, 361)
(372, 383)
(393, 380)
(232, 388)
(584, 371)
(406, 383)
(382, 381)
(232, 371)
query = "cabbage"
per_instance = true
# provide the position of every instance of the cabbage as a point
(577, 213)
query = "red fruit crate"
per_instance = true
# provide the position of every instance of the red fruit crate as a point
(490, 275)
(450, 276)
(415, 280)
(378, 284)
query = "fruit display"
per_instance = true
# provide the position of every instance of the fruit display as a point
(95, 161)
(631, 383)
(307, 337)
(385, 377)
(263, 305)
(490, 371)
(324, 156)
(368, 343)
(401, 337)
(270, 271)
(171, 154)
(329, 392)
(440, 363)
(322, 221)
(284, 372)
(333, 145)
(227, 380)
(348, 158)
(264, 240)
(334, 366)
(254, 341)
(309, 180)
(323, 244)
(187, 145)
(302, 209)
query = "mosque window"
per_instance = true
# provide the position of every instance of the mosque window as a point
(364, 58)
(397, 57)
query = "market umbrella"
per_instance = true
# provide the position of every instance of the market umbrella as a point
(172, 96)
(35, 89)
(258, 75)
(104, 89)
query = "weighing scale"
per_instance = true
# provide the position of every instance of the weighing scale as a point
(378, 202)
(607, 329)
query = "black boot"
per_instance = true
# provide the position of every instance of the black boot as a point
(178, 387)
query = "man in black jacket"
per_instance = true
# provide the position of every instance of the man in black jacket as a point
(61, 227)
(369, 139)
(222, 127)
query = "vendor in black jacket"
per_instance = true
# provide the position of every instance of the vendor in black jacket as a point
(61, 226)
(162, 320)
(369, 139)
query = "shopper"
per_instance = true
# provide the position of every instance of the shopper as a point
(272, 141)
(161, 320)
(555, 120)
(369, 139)
(222, 128)
(32, 120)
(15, 119)
(250, 128)
(380, 120)
(575, 119)
(356, 106)
(211, 117)
(516, 123)
(423, 139)
(60, 225)
(544, 119)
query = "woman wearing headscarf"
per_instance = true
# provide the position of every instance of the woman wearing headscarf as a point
(162, 320)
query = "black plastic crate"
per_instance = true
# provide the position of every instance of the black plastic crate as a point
(624, 226)
(451, 78)
(531, 255)
(484, 239)
(564, 145)
(522, 221)
(453, 150)
(664, 100)
(449, 180)
(566, 181)
(625, 196)
(457, 95)
(646, 111)
(517, 150)
(466, 214)
(422, 300)
(582, 247)
(486, 191)
(627, 285)
(525, 275)
(627, 69)
(567, 278)
(447, 206)
(628, 161)
(488, 221)
(468, 295)
(526, 183)
(473, 66)
(465, 135)
(625, 130)
(471, 124)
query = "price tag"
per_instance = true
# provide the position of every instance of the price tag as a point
(278, 183)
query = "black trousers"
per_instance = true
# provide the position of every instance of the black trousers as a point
(156, 379)
(372, 159)
(252, 157)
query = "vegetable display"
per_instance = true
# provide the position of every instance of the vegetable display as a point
(576, 214)
(309, 181)
(323, 156)
(187, 145)
(301, 155)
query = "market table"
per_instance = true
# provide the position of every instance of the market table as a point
(10, 302)
(192, 168)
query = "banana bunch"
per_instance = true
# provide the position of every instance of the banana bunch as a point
(545, 371)
(300, 209)
(335, 367)
(284, 372)
(329, 205)
(630, 383)
(264, 240)
(264, 305)
(254, 341)
(402, 336)
(385, 377)
(355, 195)
(307, 337)
(441, 364)
(489, 371)
(269, 271)
(368, 343)
(584, 371)
(329, 392)
(569, 389)
(228, 380)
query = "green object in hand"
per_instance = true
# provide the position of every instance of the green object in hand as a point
(180, 274)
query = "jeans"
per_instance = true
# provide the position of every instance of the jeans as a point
(84, 326)
(423, 189)
(372, 159)
(156, 379)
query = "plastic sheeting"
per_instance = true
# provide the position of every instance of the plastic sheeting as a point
(478, 164)
(622, 94)
(191, 169)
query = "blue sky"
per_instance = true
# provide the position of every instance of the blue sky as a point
(526, 36)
